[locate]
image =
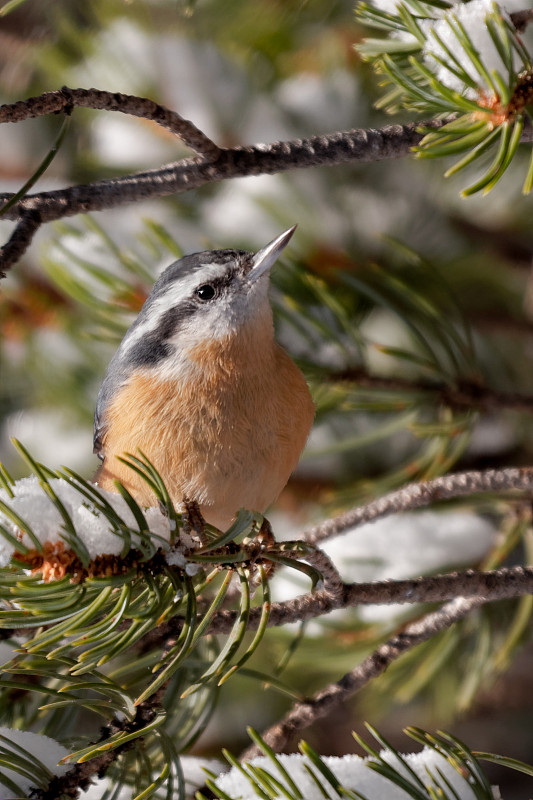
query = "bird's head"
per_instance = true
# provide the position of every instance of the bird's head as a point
(207, 298)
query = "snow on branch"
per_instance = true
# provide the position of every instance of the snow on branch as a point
(62, 512)
(463, 61)
(71, 528)
(439, 770)
(51, 510)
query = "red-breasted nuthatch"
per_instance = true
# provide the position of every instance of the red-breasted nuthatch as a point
(201, 387)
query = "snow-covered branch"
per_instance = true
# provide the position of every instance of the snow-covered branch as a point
(97, 524)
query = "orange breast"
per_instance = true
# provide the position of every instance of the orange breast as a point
(229, 438)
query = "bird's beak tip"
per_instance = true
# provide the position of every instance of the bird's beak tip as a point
(268, 255)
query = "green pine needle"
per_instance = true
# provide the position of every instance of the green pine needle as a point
(405, 57)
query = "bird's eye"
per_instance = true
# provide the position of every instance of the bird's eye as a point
(205, 292)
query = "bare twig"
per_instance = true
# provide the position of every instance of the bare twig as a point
(392, 141)
(303, 714)
(332, 581)
(20, 240)
(418, 495)
(357, 145)
(500, 584)
(213, 165)
(66, 99)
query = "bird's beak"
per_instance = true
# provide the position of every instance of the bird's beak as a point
(267, 256)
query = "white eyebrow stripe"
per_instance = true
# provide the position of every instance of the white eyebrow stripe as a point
(172, 295)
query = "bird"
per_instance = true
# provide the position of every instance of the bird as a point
(200, 386)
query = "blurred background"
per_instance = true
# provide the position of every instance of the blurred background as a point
(395, 294)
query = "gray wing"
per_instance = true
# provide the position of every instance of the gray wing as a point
(98, 436)
(99, 424)
(115, 378)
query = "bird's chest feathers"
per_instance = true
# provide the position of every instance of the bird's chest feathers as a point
(228, 434)
(215, 406)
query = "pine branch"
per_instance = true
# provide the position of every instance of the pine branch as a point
(339, 147)
(465, 395)
(213, 165)
(501, 584)
(392, 141)
(494, 585)
(332, 593)
(78, 778)
(303, 714)
(20, 240)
